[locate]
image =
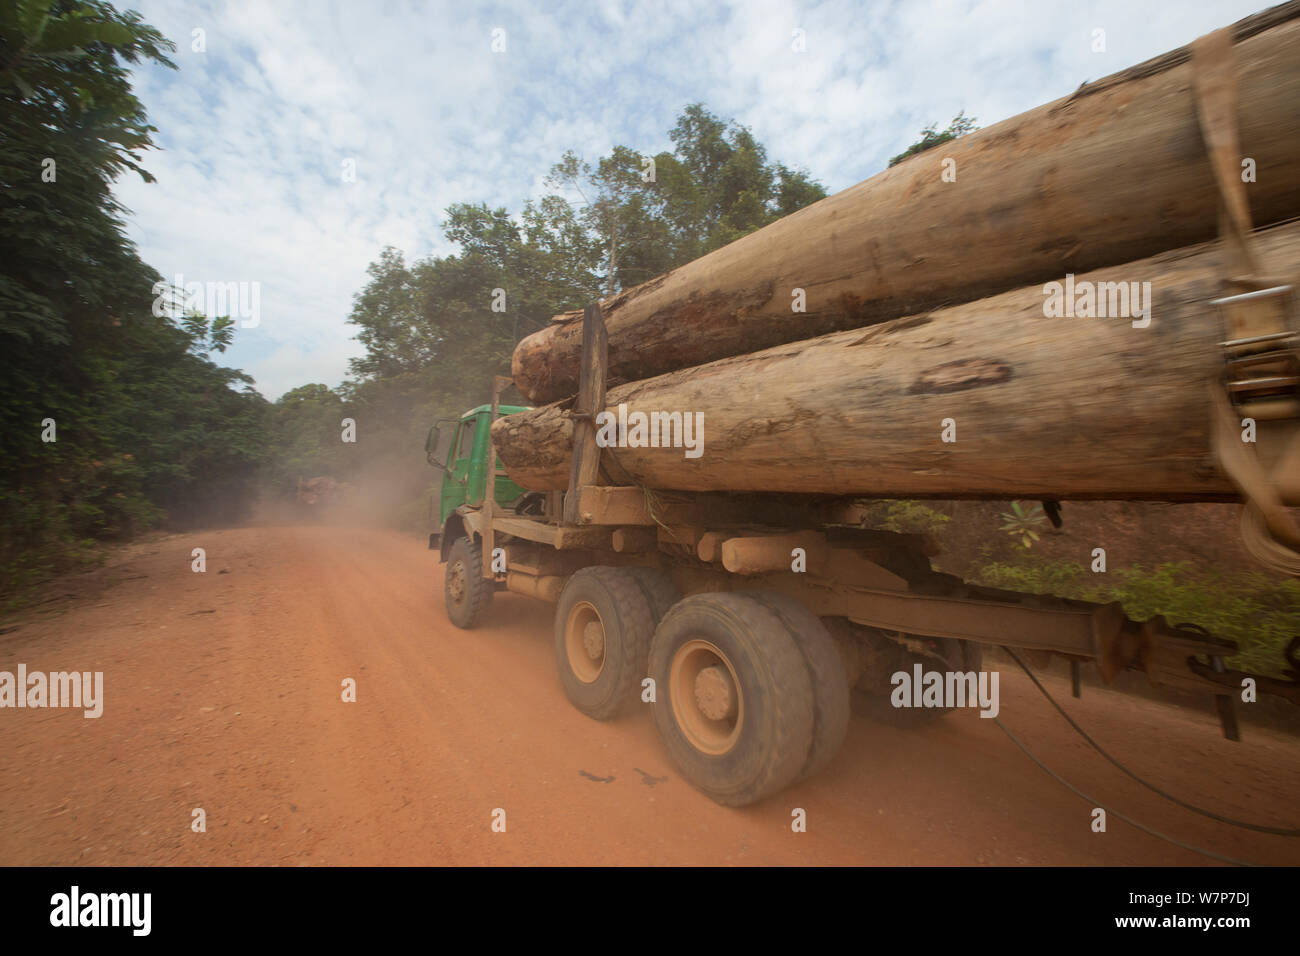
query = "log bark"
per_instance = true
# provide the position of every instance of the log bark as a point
(1043, 407)
(1114, 172)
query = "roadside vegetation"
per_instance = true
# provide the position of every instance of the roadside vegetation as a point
(111, 417)
(1261, 613)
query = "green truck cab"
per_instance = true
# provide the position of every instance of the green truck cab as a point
(460, 448)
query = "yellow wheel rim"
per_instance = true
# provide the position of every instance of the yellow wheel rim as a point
(705, 696)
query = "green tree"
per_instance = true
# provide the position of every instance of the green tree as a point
(648, 215)
(145, 424)
(304, 431)
(437, 330)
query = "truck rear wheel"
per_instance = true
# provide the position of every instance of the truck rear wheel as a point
(830, 682)
(659, 590)
(603, 624)
(467, 593)
(734, 700)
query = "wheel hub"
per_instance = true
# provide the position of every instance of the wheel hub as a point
(456, 582)
(584, 642)
(707, 703)
(593, 640)
(713, 693)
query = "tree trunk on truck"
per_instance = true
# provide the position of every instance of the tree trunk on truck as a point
(1049, 407)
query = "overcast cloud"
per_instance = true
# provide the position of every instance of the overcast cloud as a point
(255, 130)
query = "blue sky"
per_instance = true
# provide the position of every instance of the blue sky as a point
(256, 128)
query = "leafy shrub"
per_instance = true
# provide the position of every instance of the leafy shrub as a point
(1260, 613)
(1023, 524)
(905, 517)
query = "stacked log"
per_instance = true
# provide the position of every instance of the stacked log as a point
(1114, 172)
(1066, 406)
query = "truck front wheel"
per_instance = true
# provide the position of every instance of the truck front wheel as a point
(734, 702)
(467, 593)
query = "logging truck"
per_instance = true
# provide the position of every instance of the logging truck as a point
(745, 620)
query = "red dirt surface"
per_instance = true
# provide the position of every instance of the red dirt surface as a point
(223, 691)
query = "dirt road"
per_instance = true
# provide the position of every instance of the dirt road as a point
(223, 692)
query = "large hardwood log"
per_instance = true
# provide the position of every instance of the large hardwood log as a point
(1066, 407)
(1112, 173)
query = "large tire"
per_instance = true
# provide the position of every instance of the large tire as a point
(830, 682)
(659, 590)
(734, 700)
(603, 625)
(466, 592)
(872, 692)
